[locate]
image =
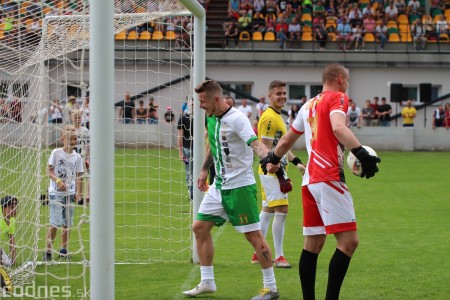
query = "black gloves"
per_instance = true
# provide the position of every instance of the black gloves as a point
(368, 162)
(298, 164)
(270, 158)
(285, 182)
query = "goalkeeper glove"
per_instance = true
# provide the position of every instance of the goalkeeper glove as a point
(298, 164)
(368, 162)
(285, 182)
(270, 158)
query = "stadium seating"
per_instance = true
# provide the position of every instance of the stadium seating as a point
(157, 35)
(269, 36)
(170, 35)
(394, 38)
(369, 37)
(257, 36)
(145, 36)
(121, 36)
(244, 36)
(132, 35)
(307, 36)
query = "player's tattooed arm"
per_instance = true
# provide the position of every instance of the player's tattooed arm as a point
(260, 149)
(208, 161)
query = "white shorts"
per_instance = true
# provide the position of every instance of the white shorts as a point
(270, 192)
(327, 208)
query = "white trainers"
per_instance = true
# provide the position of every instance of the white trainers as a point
(201, 288)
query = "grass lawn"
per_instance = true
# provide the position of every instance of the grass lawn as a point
(403, 216)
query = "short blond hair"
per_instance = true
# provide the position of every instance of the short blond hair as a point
(75, 112)
(68, 131)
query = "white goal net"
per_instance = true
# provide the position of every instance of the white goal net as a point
(44, 85)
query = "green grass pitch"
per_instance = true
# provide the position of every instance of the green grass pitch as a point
(403, 217)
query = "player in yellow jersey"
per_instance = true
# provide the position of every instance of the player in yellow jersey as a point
(274, 187)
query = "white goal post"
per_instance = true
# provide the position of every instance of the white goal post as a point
(102, 87)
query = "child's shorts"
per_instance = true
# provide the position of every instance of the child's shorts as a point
(61, 210)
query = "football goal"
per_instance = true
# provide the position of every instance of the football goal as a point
(127, 69)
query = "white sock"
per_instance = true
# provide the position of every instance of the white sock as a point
(269, 279)
(264, 221)
(278, 233)
(207, 276)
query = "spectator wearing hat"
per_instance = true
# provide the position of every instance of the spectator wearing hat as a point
(7, 230)
(169, 116)
(71, 104)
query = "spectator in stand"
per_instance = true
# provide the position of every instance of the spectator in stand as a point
(270, 24)
(294, 30)
(344, 33)
(331, 10)
(247, 6)
(259, 6)
(379, 13)
(401, 6)
(438, 117)
(289, 14)
(127, 111)
(259, 23)
(281, 6)
(308, 4)
(419, 34)
(244, 21)
(384, 113)
(408, 113)
(413, 6)
(355, 15)
(353, 116)
(374, 106)
(271, 7)
(169, 116)
(56, 112)
(367, 114)
(369, 24)
(436, 7)
(148, 26)
(357, 37)
(319, 9)
(441, 25)
(297, 6)
(342, 11)
(16, 110)
(321, 34)
(447, 116)
(245, 108)
(381, 33)
(281, 30)
(152, 111)
(261, 106)
(231, 33)
(367, 10)
(234, 6)
(391, 12)
(430, 29)
(141, 113)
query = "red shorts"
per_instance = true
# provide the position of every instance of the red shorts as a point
(327, 208)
